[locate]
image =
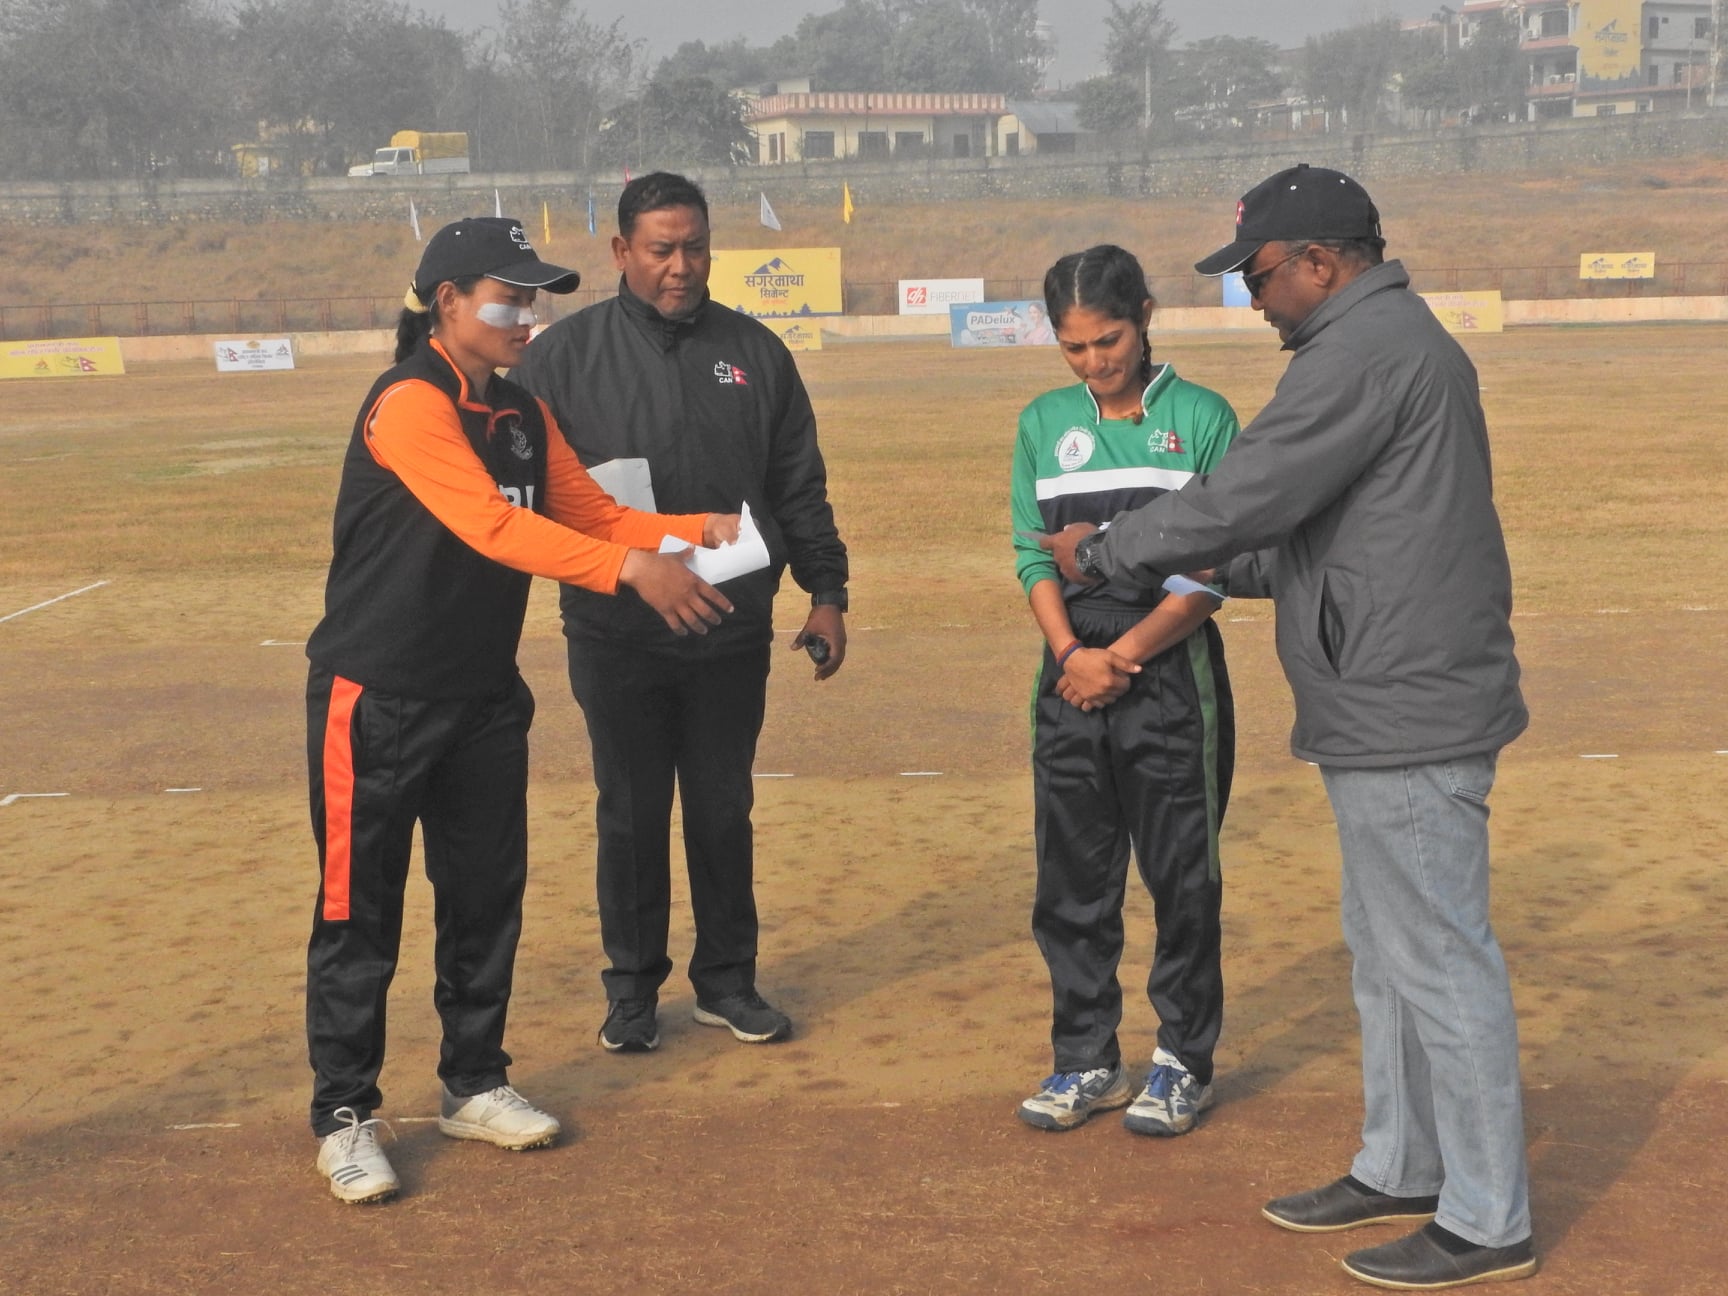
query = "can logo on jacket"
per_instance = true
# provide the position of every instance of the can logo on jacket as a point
(1074, 449)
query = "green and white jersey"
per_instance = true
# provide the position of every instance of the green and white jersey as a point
(1070, 465)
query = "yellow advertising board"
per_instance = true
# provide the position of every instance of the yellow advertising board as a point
(1617, 265)
(1468, 312)
(1610, 44)
(769, 282)
(61, 358)
(798, 334)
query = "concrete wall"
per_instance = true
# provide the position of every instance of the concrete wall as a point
(1225, 169)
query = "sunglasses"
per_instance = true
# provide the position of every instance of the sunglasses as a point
(1257, 280)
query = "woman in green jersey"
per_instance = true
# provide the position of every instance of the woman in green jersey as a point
(1133, 729)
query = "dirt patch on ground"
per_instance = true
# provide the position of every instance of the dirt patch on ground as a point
(153, 1128)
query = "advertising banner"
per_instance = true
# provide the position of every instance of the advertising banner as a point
(777, 281)
(935, 296)
(1468, 312)
(1610, 44)
(1617, 265)
(254, 355)
(1003, 323)
(61, 358)
(797, 334)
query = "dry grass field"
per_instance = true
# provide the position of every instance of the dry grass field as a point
(1672, 207)
(152, 1135)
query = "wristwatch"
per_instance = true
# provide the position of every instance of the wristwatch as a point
(1088, 555)
(835, 598)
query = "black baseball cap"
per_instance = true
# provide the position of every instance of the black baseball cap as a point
(1303, 202)
(493, 246)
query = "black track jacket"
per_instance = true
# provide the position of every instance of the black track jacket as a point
(715, 405)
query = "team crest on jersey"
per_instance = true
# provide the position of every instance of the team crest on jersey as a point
(1164, 443)
(1074, 449)
(520, 446)
(730, 374)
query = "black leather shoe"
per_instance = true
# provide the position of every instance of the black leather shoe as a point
(1433, 1257)
(1346, 1204)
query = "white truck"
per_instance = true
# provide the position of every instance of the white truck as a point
(413, 153)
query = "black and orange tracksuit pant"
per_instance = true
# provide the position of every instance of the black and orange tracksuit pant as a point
(1148, 773)
(379, 763)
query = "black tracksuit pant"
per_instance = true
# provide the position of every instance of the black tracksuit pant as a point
(378, 764)
(655, 720)
(1152, 771)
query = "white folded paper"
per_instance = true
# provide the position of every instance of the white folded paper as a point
(1182, 585)
(746, 554)
(627, 481)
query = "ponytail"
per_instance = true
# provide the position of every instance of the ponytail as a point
(420, 314)
(414, 325)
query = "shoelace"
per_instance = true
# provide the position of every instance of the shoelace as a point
(506, 1098)
(358, 1129)
(1064, 1081)
(1163, 1080)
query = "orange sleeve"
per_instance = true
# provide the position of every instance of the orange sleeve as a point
(576, 499)
(413, 430)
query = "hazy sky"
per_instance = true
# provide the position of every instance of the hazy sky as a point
(665, 24)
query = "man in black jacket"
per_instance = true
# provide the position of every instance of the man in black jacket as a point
(710, 402)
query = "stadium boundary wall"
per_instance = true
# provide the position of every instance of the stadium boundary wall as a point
(882, 328)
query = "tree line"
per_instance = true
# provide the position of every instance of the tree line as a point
(104, 88)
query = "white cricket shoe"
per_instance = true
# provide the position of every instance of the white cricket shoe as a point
(501, 1117)
(356, 1166)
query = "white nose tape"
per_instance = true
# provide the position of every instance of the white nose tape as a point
(498, 315)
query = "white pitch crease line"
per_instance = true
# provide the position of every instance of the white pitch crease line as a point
(208, 1125)
(773, 776)
(37, 607)
(920, 773)
(20, 796)
(197, 789)
(281, 643)
(1598, 755)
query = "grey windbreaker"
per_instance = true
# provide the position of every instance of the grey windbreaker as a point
(1361, 501)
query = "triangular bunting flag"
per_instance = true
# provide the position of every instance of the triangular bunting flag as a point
(846, 208)
(768, 217)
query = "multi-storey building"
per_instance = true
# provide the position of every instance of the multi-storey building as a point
(1598, 58)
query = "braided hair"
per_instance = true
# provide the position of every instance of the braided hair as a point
(1109, 280)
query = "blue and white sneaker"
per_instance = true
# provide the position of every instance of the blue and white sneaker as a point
(1170, 1103)
(1068, 1098)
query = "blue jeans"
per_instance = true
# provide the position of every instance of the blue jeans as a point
(1442, 1107)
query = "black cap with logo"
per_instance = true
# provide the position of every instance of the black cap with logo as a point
(1304, 202)
(493, 246)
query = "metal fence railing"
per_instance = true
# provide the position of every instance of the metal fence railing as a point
(270, 316)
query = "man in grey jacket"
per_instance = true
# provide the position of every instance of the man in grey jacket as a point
(1360, 501)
